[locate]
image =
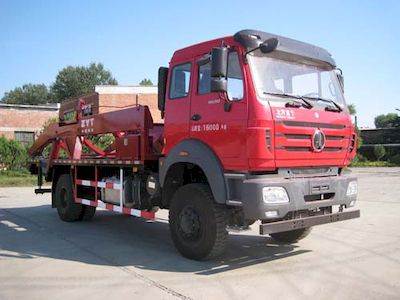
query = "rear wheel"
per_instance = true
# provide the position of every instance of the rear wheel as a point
(291, 236)
(87, 213)
(197, 224)
(67, 209)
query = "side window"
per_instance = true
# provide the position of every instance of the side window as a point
(180, 81)
(235, 79)
(204, 82)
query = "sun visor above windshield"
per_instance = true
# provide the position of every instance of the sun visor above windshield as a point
(251, 39)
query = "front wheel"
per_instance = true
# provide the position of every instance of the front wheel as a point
(197, 224)
(291, 236)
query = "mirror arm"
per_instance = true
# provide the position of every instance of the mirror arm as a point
(227, 103)
(204, 59)
(248, 52)
(340, 78)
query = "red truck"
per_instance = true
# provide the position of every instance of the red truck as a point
(255, 128)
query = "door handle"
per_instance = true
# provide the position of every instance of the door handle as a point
(196, 117)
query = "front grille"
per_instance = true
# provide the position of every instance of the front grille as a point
(308, 136)
(312, 124)
(268, 138)
(312, 171)
(352, 143)
(335, 137)
(294, 136)
(308, 149)
(319, 197)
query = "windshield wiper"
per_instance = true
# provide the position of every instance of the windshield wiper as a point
(305, 103)
(336, 107)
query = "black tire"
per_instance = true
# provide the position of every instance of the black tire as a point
(67, 209)
(292, 236)
(87, 213)
(197, 224)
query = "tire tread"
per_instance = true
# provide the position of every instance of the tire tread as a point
(73, 210)
(221, 235)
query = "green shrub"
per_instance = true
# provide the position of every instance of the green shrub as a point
(17, 178)
(379, 151)
(372, 164)
(15, 173)
(13, 156)
(395, 159)
(359, 141)
(101, 141)
(358, 159)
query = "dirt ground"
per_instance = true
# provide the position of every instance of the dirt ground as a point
(115, 256)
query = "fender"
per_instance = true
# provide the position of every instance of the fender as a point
(201, 155)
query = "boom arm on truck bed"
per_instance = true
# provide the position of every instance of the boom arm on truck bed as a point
(135, 135)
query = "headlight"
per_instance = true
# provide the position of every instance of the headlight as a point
(275, 194)
(352, 203)
(352, 188)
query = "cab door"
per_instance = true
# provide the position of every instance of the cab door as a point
(222, 129)
(177, 106)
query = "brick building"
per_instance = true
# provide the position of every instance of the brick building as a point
(24, 122)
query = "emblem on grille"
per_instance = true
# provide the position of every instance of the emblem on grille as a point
(318, 141)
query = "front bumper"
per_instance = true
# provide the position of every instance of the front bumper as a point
(287, 225)
(248, 193)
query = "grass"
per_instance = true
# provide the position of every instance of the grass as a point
(17, 178)
(372, 164)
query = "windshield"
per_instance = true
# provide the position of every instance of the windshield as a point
(279, 76)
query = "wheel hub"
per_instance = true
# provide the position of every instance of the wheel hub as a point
(189, 223)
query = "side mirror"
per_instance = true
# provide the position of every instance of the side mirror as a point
(269, 45)
(218, 85)
(162, 88)
(219, 62)
(219, 69)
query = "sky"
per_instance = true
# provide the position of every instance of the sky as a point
(133, 38)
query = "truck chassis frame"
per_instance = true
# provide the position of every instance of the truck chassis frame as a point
(96, 202)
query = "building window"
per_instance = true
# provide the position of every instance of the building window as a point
(25, 137)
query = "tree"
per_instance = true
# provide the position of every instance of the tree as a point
(352, 109)
(146, 82)
(379, 151)
(80, 80)
(13, 156)
(33, 94)
(389, 120)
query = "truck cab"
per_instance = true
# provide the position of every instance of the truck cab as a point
(265, 120)
(258, 123)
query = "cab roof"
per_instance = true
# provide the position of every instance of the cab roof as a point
(250, 39)
(201, 48)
